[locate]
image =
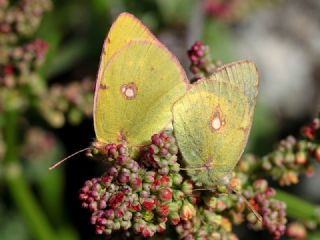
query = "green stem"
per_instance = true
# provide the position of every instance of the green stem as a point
(18, 187)
(296, 207)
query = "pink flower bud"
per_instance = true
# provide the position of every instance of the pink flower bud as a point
(149, 177)
(260, 185)
(296, 231)
(124, 177)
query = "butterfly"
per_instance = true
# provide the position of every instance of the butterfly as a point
(137, 83)
(212, 122)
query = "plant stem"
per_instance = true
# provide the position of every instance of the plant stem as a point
(296, 207)
(18, 187)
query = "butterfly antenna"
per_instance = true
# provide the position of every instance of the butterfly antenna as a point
(66, 158)
(258, 216)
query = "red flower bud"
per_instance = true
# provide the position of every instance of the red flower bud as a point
(136, 207)
(174, 218)
(148, 205)
(163, 210)
(136, 183)
(147, 232)
(165, 194)
(308, 132)
(106, 179)
(116, 199)
(164, 181)
(8, 70)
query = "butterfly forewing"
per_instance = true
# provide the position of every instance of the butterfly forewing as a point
(137, 82)
(124, 29)
(137, 89)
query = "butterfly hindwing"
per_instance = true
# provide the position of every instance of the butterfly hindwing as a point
(124, 29)
(213, 119)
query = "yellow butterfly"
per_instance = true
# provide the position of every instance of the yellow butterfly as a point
(138, 81)
(212, 121)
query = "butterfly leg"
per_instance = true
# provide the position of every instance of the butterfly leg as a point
(249, 205)
(193, 168)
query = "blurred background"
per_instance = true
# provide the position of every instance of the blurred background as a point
(49, 56)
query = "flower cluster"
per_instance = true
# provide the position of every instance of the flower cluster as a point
(18, 62)
(70, 102)
(220, 210)
(19, 75)
(161, 154)
(272, 211)
(38, 143)
(312, 131)
(149, 194)
(111, 196)
(206, 225)
(220, 8)
(304, 227)
(201, 63)
(21, 19)
(132, 197)
(291, 157)
(232, 10)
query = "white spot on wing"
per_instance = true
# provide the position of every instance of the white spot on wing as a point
(216, 123)
(217, 120)
(129, 90)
